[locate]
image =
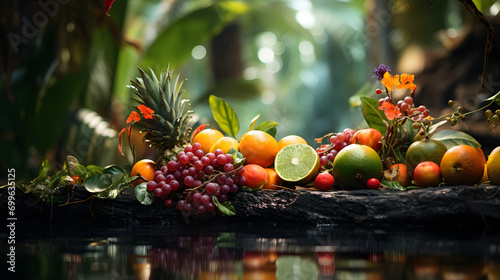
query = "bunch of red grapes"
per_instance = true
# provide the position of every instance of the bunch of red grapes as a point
(198, 181)
(338, 141)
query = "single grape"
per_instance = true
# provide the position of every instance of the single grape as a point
(221, 179)
(400, 102)
(192, 171)
(196, 146)
(221, 159)
(158, 192)
(180, 204)
(210, 156)
(228, 167)
(151, 186)
(205, 199)
(241, 170)
(184, 159)
(225, 188)
(210, 188)
(160, 178)
(210, 207)
(381, 101)
(181, 153)
(188, 148)
(214, 163)
(218, 152)
(333, 139)
(194, 159)
(188, 181)
(197, 196)
(177, 174)
(166, 189)
(200, 174)
(234, 188)
(181, 167)
(185, 173)
(208, 169)
(169, 178)
(188, 207)
(350, 132)
(242, 181)
(341, 137)
(201, 209)
(229, 158)
(338, 145)
(171, 165)
(405, 107)
(174, 184)
(229, 181)
(217, 191)
(408, 100)
(197, 183)
(330, 157)
(168, 203)
(422, 108)
(323, 160)
(190, 155)
(222, 197)
(205, 161)
(157, 173)
(163, 169)
(199, 153)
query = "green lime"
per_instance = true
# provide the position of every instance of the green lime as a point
(354, 165)
(424, 150)
(297, 163)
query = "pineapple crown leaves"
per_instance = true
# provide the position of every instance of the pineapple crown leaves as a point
(170, 122)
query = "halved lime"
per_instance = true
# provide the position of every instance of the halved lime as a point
(297, 163)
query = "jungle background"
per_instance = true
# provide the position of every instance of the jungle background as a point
(65, 66)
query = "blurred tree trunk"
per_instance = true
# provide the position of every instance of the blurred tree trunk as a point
(226, 61)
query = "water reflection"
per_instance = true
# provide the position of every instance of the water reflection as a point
(254, 252)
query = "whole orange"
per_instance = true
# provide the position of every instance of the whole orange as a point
(274, 180)
(255, 176)
(402, 175)
(145, 168)
(462, 165)
(258, 147)
(207, 138)
(369, 137)
(291, 139)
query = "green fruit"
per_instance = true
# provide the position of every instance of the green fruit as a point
(424, 150)
(354, 165)
(297, 163)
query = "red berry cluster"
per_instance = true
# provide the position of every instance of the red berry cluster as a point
(338, 141)
(196, 178)
(407, 108)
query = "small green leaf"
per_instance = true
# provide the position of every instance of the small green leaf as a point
(225, 207)
(94, 170)
(494, 97)
(393, 185)
(224, 115)
(143, 195)
(373, 116)
(44, 170)
(451, 138)
(79, 170)
(252, 122)
(267, 126)
(247, 189)
(98, 183)
(113, 170)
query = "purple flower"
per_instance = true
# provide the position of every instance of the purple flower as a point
(380, 71)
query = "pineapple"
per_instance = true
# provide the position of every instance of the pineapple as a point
(169, 126)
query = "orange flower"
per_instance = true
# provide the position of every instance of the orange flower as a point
(146, 111)
(134, 116)
(389, 81)
(407, 82)
(391, 111)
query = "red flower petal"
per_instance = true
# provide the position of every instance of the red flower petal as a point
(134, 116)
(198, 129)
(391, 111)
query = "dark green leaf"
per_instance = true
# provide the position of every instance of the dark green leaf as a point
(113, 169)
(224, 115)
(143, 195)
(393, 185)
(225, 207)
(247, 189)
(98, 183)
(373, 116)
(451, 138)
(268, 126)
(44, 170)
(94, 169)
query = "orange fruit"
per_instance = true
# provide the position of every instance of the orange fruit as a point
(424, 150)
(207, 138)
(258, 147)
(225, 144)
(255, 176)
(354, 165)
(462, 165)
(141, 148)
(289, 140)
(493, 166)
(274, 180)
(369, 137)
(402, 174)
(145, 168)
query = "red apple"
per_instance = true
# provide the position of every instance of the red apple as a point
(427, 174)
(369, 137)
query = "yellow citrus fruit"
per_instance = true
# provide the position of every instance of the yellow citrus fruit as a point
(493, 166)
(424, 150)
(289, 140)
(297, 163)
(354, 165)
(258, 147)
(207, 138)
(146, 168)
(225, 144)
(274, 180)
(485, 174)
(462, 165)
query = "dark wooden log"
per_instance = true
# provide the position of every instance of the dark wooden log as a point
(440, 206)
